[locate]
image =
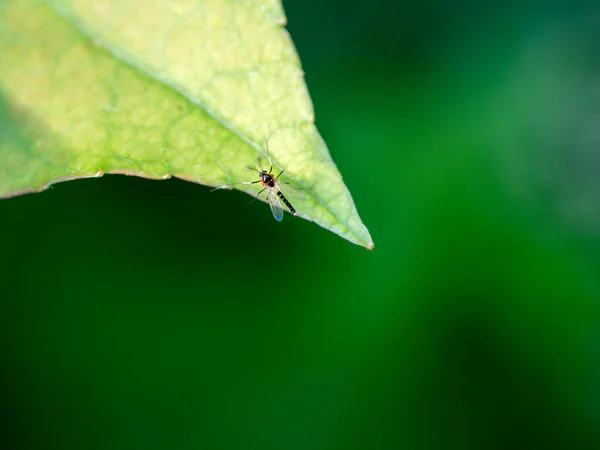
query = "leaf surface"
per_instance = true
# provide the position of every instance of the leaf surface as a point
(156, 89)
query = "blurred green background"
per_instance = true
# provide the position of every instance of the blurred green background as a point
(155, 315)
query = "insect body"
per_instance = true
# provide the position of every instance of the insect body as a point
(272, 186)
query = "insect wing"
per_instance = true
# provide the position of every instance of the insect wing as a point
(275, 205)
(290, 192)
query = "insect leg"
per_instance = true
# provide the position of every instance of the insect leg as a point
(268, 153)
(225, 186)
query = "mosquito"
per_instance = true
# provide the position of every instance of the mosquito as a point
(271, 185)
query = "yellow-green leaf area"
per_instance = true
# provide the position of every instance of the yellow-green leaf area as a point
(158, 89)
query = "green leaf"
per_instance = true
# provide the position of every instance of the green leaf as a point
(156, 89)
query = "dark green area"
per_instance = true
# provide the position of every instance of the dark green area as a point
(156, 315)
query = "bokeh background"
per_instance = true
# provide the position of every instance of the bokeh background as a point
(155, 315)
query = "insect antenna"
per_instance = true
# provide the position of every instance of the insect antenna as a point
(252, 168)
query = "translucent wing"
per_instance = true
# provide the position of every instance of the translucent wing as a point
(290, 192)
(275, 205)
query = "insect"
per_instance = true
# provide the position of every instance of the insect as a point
(271, 184)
